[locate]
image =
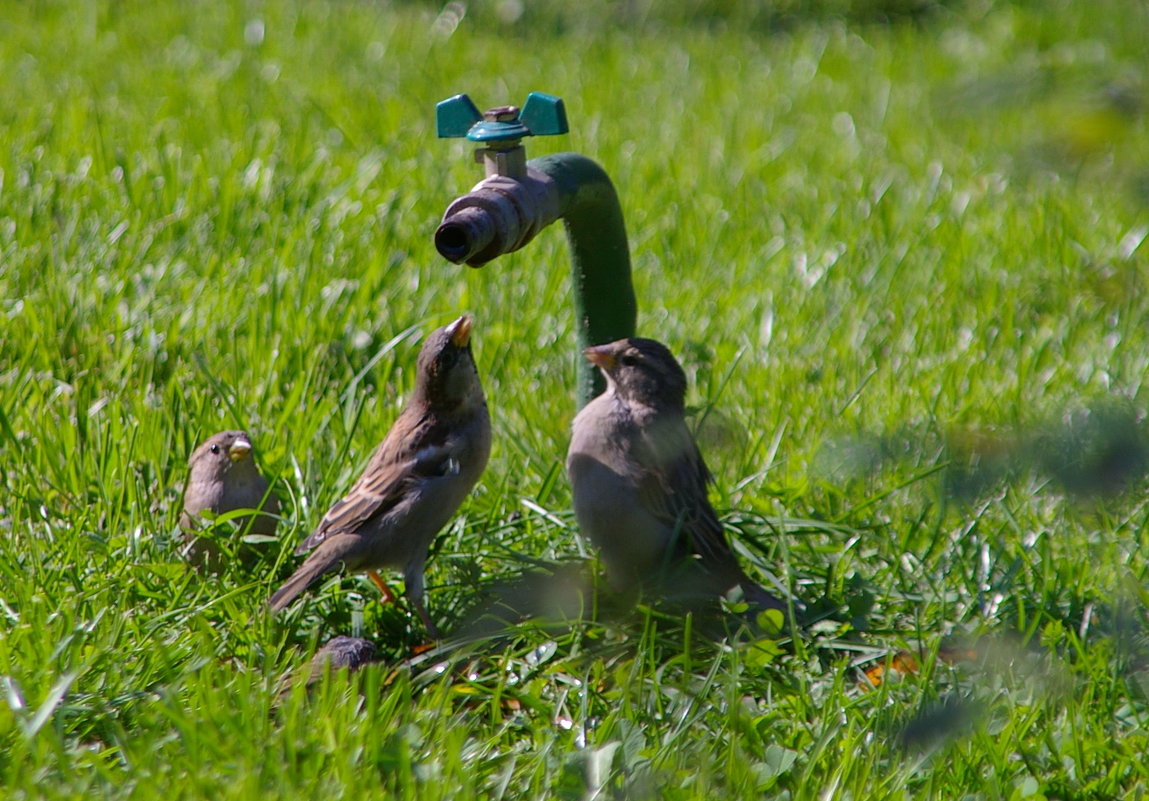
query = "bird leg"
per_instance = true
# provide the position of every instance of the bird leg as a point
(388, 596)
(416, 601)
(432, 629)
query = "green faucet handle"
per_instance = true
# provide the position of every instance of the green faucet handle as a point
(455, 116)
(542, 115)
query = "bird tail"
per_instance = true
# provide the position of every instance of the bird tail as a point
(321, 561)
(757, 596)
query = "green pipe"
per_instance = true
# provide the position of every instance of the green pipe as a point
(605, 306)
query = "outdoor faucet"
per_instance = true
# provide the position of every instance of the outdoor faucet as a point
(518, 198)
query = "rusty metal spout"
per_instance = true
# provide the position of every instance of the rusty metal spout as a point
(499, 215)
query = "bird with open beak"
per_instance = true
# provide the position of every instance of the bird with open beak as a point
(640, 484)
(223, 478)
(415, 481)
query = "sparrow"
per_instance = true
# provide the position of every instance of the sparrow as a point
(640, 484)
(349, 654)
(223, 478)
(415, 481)
(342, 653)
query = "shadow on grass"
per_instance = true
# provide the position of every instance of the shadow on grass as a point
(567, 609)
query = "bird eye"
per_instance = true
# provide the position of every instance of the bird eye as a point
(214, 449)
(628, 360)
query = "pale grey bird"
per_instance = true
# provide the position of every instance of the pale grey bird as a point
(223, 478)
(640, 483)
(416, 480)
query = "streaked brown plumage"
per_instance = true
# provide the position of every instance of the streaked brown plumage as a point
(223, 478)
(339, 655)
(640, 483)
(416, 479)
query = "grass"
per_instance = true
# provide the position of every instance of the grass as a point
(902, 265)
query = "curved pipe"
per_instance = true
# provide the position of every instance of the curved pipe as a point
(500, 215)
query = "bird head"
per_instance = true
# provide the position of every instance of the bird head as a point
(221, 451)
(641, 370)
(447, 376)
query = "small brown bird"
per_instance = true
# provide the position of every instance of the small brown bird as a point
(224, 478)
(639, 482)
(339, 654)
(415, 481)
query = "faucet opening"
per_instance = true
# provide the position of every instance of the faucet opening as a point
(452, 242)
(465, 235)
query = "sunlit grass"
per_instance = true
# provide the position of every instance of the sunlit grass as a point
(901, 264)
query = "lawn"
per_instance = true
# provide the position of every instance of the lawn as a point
(898, 247)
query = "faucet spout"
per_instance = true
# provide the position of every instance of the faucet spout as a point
(464, 235)
(499, 215)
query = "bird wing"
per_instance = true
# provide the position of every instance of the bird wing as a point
(395, 468)
(675, 492)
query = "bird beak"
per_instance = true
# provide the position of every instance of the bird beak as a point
(460, 331)
(601, 356)
(239, 450)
